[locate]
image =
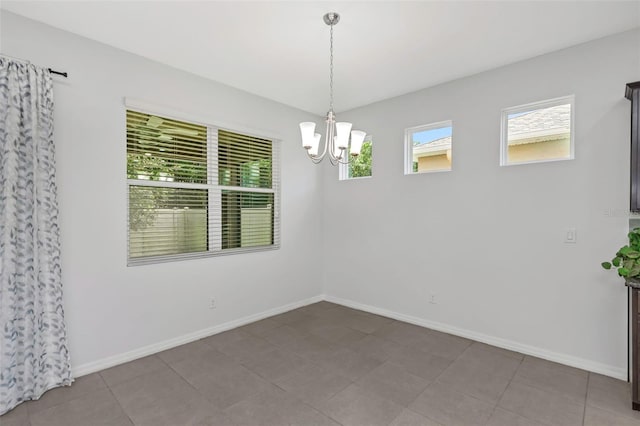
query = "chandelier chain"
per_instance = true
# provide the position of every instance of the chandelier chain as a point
(331, 70)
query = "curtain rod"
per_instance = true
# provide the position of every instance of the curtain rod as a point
(51, 71)
(64, 74)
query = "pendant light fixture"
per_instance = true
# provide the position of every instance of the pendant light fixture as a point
(337, 139)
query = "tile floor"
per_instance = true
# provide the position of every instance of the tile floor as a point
(325, 364)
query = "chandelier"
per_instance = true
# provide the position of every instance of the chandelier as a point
(337, 140)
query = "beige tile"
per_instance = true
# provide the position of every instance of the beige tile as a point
(495, 361)
(482, 349)
(553, 366)
(290, 317)
(313, 384)
(474, 379)
(348, 363)
(224, 385)
(611, 394)
(441, 403)
(341, 313)
(130, 370)
(283, 336)
(442, 345)
(95, 408)
(276, 364)
(19, 416)
(172, 411)
(140, 396)
(259, 327)
(411, 418)
(366, 322)
(207, 362)
(595, 416)
(392, 382)
(317, 309)
(376, 347)
(225, 338)
(338, 334)
(551, 376)
(501, 417)
(275, 408)
(402, 333)
(315, 324)
(544, 406)
(312, 348)
(354, 407)
(173, 355)
(248, 349)
(405, 375)
(421, 363)
(80, 387)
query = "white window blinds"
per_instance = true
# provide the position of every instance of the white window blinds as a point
(197, 190)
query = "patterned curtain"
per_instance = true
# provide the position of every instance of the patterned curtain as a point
(33, 343)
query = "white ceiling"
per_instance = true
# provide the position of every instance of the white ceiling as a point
(279, 50)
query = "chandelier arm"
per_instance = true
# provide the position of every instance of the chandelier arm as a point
(330, 139)
(316, 159)
(344, 155)
(324, 150)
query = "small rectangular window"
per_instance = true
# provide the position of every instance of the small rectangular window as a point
(428, 148)
(359, 166)
(537, 132)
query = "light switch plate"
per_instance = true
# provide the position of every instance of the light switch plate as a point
(570, 236)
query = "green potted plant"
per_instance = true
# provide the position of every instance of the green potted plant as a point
(627, 260)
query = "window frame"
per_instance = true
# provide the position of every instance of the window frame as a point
(343, 168)
(408, 146)
(547, 103)
(214, 236)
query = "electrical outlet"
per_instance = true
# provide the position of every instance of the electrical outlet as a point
(212, 303)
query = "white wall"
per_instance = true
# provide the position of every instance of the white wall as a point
(112, 309)
(488, 240)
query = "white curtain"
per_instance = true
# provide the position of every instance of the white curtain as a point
(33, 342)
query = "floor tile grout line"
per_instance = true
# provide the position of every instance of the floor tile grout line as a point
(32, 401)
(154, 355)
(193, 387)
(435, 380)
(497, 404)
(118, 402)
(586, 397)
(555, 392)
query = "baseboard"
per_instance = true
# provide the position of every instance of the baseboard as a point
(101, 364)
(112, 361)
(584, 364)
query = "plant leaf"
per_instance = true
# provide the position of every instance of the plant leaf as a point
(606, 265)
(632, 254)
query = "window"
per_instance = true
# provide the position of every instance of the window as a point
(359, 166)
(537, 132)
(196, 190)
(428, 148)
